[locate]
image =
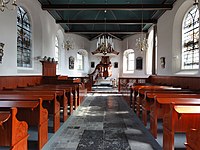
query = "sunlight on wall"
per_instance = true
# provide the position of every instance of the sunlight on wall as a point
(149, 53)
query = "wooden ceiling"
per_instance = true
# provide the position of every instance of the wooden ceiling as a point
(121, 18)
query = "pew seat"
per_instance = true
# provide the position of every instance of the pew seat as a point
(180, 118)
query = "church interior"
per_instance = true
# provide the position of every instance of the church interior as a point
(104, 74)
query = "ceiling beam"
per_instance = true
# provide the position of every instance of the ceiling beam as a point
(125, 22)
(99, 32)
(107, 6)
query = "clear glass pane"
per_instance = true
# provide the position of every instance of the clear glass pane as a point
(131, 59)
(79, 62)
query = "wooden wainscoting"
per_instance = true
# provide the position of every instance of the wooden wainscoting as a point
(191, 83)
(12, 82)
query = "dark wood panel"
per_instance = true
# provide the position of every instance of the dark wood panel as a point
(12, 82)
(191, 83)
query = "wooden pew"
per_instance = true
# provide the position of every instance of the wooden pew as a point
(13, 133)
(142, 91)
(69, 82)
(75, 91)
(180, 118)
(33, 113)
(75, 88)
(193, 138)
(55, 109)
(64, 96)
(161, 106)
(48, 96)
(72, 89)
(149, 99)
(79, 85)
(135, 91)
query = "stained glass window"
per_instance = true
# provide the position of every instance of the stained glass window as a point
(24, 48)
(190, 51)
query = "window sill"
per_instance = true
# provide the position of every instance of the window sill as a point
(187, 72)
(128, 72)
(80, 70)
(24, 68)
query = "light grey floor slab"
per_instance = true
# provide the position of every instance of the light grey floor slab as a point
(103, 122)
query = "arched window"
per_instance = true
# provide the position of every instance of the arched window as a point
(24, 41)
(56, 52)
(190, 39)
(128, 61)
(80, 60)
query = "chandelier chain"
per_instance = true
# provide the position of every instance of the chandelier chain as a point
(141, 42)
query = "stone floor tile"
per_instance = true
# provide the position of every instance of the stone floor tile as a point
(103, 123)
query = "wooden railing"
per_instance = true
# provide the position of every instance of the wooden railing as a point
(85, 80)
(124, 83)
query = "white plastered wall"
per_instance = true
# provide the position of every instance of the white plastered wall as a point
(79, 43)
(8, 36)
(130, 43)
(44, 30)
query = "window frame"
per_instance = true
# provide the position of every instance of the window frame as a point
(57, 54)
(126, 61)
(24, 39)
(130, 61)
(193, 42)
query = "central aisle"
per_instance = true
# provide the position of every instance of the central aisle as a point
(103, 122)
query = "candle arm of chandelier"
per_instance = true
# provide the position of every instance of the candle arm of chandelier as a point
(68, 45)
(105, 49)
(5, 4)
(105, 46)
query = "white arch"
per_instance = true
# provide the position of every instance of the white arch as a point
(60, 36)
(177, 35)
